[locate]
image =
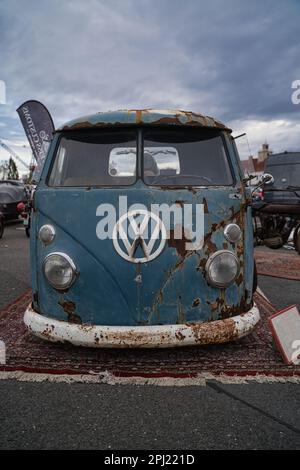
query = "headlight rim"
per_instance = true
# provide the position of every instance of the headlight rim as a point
(73, 267)
(209, 262)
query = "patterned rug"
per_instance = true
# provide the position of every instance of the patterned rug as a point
(252, 355)
(278, 264)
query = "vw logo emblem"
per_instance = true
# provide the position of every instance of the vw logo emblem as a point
(139, 236)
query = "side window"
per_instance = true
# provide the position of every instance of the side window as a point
(57, 173)
(237, 158)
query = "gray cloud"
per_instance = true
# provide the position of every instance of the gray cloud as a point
(234, 60)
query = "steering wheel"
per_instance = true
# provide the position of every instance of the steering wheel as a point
(158, 179)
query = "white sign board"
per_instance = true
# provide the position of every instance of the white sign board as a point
(285, 327)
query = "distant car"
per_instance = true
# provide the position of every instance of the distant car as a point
(11, 193)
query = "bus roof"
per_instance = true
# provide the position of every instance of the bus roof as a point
(153, 117)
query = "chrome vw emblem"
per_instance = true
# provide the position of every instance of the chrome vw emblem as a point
(139, 236)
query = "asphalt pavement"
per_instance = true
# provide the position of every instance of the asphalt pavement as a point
(100, 416)
(14, 263)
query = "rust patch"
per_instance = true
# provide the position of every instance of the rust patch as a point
(240, 278)
(47, 333)
(139, 116)
(227, 311)
(219, 305)
(145, 117)
(208, 247)
(233, 310)
(239, 251)
(88, 125)
(214, 332)
(205, 206)
(69, 308)
(179, 336)
(202, 264)
(173, 187)
(167, 120)
(154, 309)
(211, 247)
(177, 239)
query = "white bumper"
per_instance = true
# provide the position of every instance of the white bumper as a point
(157, 336)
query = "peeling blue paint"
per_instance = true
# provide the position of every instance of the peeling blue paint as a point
(172, 288)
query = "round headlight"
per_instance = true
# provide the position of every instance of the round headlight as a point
(60, 270)
(232, 233)
(47, 234)
(222, 268)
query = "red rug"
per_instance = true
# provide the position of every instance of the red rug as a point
(278, 264)
(252, 355)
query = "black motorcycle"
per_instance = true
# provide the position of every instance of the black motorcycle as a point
(276, 217)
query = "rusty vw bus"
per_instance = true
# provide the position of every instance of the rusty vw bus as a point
(142, 234)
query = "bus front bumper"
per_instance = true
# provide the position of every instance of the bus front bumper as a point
(153, 336)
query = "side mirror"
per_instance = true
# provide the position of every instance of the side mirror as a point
(267, 178)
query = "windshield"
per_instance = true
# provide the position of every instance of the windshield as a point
(185, 157)
(284, 175)
(174, 157)
(97, 159)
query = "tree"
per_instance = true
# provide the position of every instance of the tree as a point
(3, 170)
(13, 173)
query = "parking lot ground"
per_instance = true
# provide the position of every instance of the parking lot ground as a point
(81, 416)
(14, 263)
(43, 414)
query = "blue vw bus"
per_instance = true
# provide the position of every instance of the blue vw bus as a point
(141, 234)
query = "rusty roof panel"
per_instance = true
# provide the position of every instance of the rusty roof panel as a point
(145, 117)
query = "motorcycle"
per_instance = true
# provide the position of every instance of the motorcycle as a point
(274, 225)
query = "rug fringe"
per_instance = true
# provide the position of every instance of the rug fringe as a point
(111, 379)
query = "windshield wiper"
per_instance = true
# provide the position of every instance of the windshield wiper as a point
(293, 188)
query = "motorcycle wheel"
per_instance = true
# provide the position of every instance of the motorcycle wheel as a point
(27, 231)
(296, 239)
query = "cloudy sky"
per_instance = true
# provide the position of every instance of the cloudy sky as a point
(234, 60)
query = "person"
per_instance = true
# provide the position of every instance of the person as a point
(150, 165)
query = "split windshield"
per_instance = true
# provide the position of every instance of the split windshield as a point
(89, 160)
(171, 157)
(181, 157)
